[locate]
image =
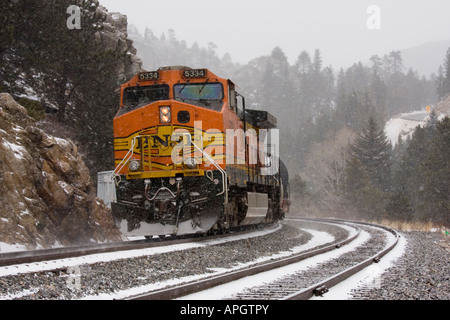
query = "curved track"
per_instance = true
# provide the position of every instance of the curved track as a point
(317, 279)
(301, 284)
(126, 272)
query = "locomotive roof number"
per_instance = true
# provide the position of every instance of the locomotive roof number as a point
(194, 73)
(150, 75)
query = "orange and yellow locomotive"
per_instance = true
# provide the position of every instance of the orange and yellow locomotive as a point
(189, 157)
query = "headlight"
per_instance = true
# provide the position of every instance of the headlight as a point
(134, 165)
(164, 114)
(190, 163)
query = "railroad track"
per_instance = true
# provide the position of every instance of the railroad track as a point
(147, 273)
(302, 284)
(33, 256)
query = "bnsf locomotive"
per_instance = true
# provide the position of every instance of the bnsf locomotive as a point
(190, 158)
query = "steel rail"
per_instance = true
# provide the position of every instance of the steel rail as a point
(322, 287)
(31, 256)
(20, 257)
(203, 284)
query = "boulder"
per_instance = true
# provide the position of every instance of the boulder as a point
(46, 194)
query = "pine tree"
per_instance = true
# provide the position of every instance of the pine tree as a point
(276, 88)
(398, 206)
(303, 64)
(367, 173)
(395, 63)
(423, 174)
(374, 151)
(436, 172)
(447, 73)
(409, 176)
(75, 70)
(360, 195)
(440, 83)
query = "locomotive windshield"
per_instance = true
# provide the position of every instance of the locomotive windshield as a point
(139, 96)
(206, 95)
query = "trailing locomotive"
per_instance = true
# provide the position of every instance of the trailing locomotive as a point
(190, 158)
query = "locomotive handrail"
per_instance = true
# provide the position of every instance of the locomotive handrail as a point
(126, 158)
(223, 172)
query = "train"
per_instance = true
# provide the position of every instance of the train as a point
(191, 158)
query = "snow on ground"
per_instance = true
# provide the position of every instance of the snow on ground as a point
(128, 254)
(319, 238)
(404, 124)
(370, 276)
(6, 247)
(341, 291)
(228, 290)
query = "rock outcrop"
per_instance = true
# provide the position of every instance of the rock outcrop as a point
(443, 107)
(46, 194)
(114, 35)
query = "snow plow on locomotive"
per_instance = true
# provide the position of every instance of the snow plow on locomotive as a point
(190, 158)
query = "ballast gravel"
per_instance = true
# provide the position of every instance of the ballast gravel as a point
(113, 276)
(422, 273)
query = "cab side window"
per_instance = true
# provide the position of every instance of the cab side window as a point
(232, 97)
(240, 107)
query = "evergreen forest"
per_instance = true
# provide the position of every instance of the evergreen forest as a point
(331, 121)
(340, 160)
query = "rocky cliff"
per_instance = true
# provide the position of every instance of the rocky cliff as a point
(71, 74)
(443, 108)
(115, 35)
(67, 79)
(46, 194)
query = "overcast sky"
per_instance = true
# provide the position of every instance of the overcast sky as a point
(250, 28)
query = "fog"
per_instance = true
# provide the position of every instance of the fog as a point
(63, 62)
(345, 31)
(326, 116)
